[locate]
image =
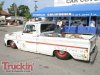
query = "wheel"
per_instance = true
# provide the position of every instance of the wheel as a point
(63, 55)
(13, 45)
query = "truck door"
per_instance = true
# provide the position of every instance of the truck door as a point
(28, 39)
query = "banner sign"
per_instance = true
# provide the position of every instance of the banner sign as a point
(70, 2)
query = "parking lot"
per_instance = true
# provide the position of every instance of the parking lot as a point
(42, 64)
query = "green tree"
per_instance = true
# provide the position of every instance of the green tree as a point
(12, 9)
(23, 10)
(1, 5)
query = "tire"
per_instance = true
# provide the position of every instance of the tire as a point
(13, 45)
(63, 55)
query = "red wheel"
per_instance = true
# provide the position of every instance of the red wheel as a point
(13, 45)
(62, 54)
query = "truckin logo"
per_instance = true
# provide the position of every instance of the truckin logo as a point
(19, 67)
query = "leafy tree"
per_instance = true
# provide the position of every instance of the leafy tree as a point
(23, 10)
(1, 5)
(12, 9)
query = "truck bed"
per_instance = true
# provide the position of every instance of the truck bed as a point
(73, 36)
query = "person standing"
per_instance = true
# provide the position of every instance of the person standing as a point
(92, 23)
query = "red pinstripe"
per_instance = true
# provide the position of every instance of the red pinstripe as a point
(55, 44)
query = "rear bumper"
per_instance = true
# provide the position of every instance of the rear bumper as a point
(93, 55)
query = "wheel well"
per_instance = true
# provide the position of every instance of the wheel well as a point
(54, 52)
(8, 42)
(58, 50)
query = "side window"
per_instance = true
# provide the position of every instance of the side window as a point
(29, 28)
(47, 27)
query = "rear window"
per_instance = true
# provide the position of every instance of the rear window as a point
(47, 27)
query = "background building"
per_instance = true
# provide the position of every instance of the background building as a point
(71, 2)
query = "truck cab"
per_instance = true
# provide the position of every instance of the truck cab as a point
(37, 28)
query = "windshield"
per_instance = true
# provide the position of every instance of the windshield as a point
(30, 28)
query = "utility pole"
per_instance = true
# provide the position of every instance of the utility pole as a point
(15, 11)
(35, 7)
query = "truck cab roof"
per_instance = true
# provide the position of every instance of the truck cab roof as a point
(40, 22)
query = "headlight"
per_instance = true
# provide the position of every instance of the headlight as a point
(6, 35)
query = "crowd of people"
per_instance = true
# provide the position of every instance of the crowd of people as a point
(63, 22)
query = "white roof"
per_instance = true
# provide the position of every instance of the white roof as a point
(40, 22)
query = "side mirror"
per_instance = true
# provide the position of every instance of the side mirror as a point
(24, 31)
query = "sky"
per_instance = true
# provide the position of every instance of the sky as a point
(30, 3)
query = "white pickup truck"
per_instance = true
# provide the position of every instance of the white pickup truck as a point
(42, 37)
